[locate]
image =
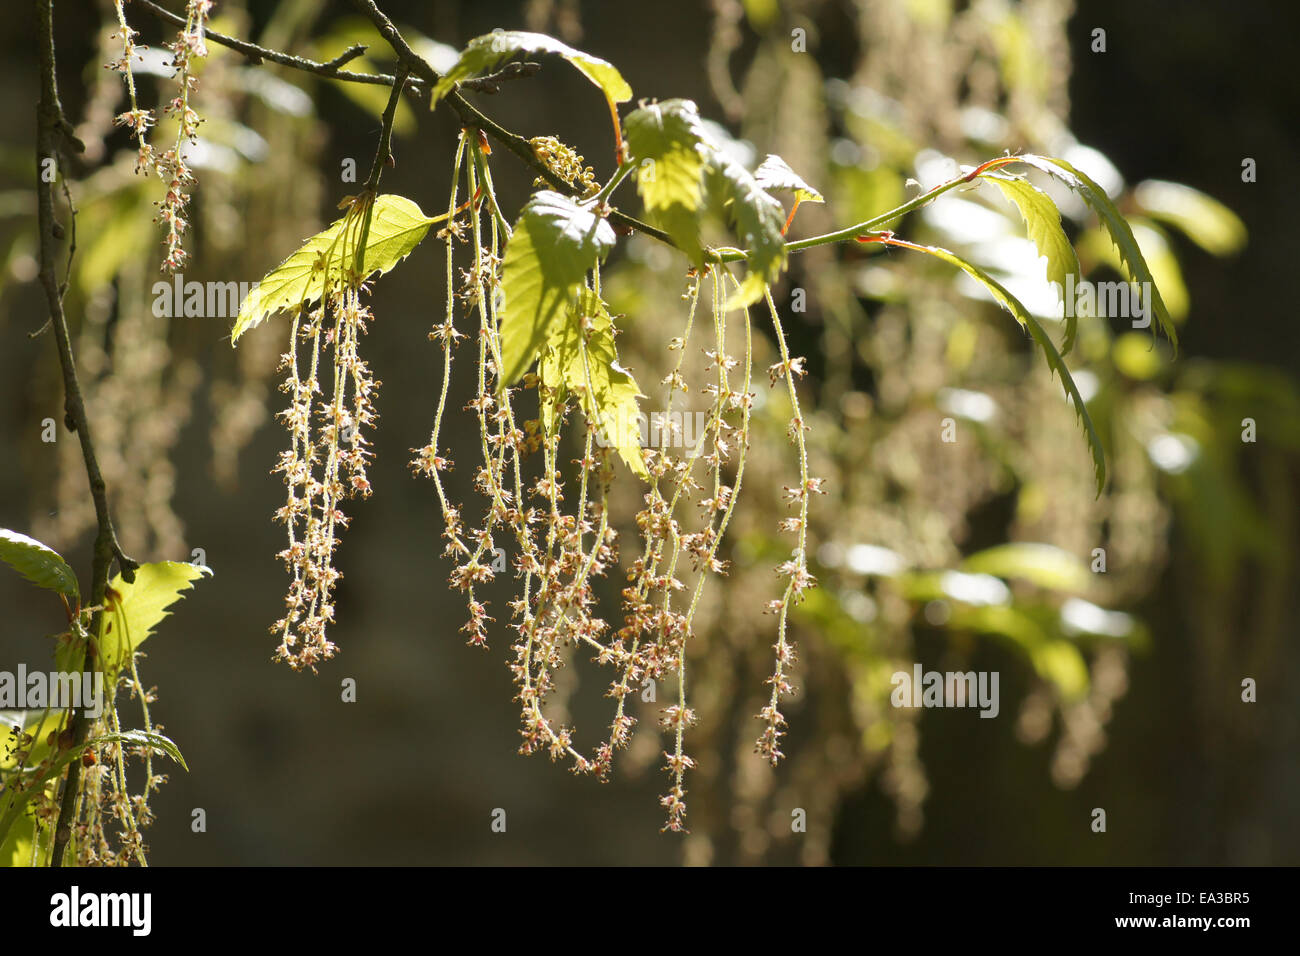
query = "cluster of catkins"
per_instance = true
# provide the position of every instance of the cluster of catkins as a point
(325, 463)
(170, 165)
(556, 517)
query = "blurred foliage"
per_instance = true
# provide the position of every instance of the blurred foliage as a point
(911, 535)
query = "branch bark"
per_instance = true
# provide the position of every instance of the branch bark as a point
(52, 132)
(474, 119)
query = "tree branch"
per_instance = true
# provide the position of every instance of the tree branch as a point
(52, 129)
(332, 70)
(472, 118)
(423, 73)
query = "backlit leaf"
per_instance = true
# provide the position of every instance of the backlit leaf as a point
(608, 392)
(135, 609)
(757, 220)
(554, 243)
(396, 227)
(38, 563)
(666, 142)
(1118, 228)
(1054, 360)
(1043, 224)
(775, 174)
(485, 52)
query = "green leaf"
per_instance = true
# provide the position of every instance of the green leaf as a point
(38, 563)
(775, 173)
(138, 738)
(553, 245)
(328, 258)
(1120, 233)
(608, 392)
(135, 609)
(667, 141)
(1206, 221)
(1054, 360)
(757, 219)
(16, 844)
(1043, 224)
(1042, 564)
(485, 52)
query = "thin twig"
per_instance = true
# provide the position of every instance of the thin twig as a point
(474, 119)
(256, 54)
(384, 154)
(332, 69)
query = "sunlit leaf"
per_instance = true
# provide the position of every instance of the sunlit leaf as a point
(666, 142)
(1043, 224)
(1120, 234)
(135, 609)
(41, 565)
(1054, 361)
(396, 227)
(608, 392)
(553, 245)
(138, 738)
(757, 220)
(775, 174)
(1159, 256)
(485, 52)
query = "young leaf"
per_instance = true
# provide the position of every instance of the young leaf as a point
(758, 220)
(609, 393)
(775, 174)
(138, 738)
(1054, 361)
(38, 563)
(396, 227)
(1043, 224)
(665, 140)
(135, 609)
(485, 52)
(1120, 233)
(553, 245)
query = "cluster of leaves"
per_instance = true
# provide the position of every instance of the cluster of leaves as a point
(104, 643)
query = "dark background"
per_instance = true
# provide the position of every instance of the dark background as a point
(411, 772)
